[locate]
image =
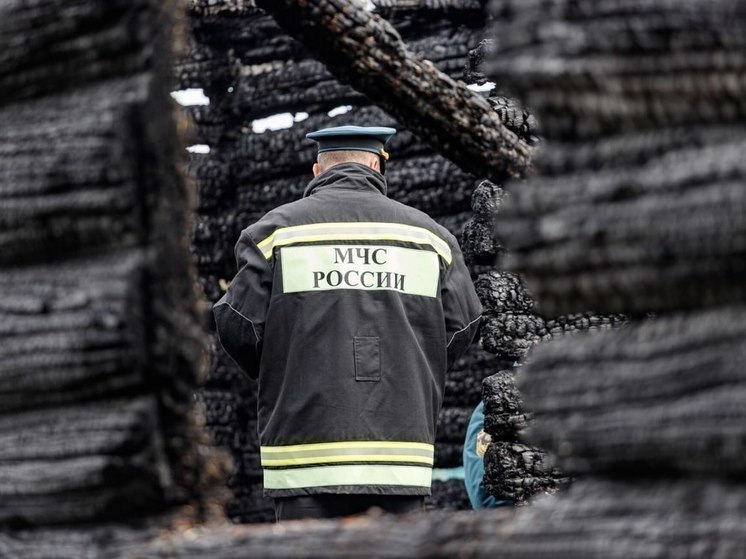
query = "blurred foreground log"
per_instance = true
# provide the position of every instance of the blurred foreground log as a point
(594, 519)
(101, 346)
(640, 207)
(666, 395)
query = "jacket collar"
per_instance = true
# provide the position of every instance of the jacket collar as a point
(348, 175)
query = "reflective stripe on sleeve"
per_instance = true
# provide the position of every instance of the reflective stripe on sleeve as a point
(350, 451)
(354, 231)
(351, 474)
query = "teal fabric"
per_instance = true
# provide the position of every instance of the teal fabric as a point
(474, 465)
(445, 474)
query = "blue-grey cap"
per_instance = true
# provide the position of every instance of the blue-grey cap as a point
(355, 138)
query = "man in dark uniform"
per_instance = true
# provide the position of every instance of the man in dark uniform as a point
(348, 307)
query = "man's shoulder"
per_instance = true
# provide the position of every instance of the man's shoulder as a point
(418, 218)
(307, 210)
(286, 215)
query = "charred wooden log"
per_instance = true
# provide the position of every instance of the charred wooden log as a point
(391, 77)
(667, 401)
(415, 19)
(79, 190)
(504, 414)
(511, 325)
(611, 240)
(251, 34)
(604, 71)
(464, 380)
(512, 470)
(65, 340)
(516, 472)
(101, 341)
(43, 57)
(595, 518)
(291, 86)
(82, 462)
(478, 243)
(432, 185)
(205, 67)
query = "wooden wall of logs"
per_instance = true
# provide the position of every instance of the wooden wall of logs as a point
(636, 211)
(101, 347)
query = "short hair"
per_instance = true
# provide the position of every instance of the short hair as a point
(328, 159)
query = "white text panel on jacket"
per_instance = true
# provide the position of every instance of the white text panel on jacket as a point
(365, 267)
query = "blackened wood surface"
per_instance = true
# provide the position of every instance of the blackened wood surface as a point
(101, 345)
(661, 397)
(596, 518)
(591, 69)
(640, 205)
(658, 230)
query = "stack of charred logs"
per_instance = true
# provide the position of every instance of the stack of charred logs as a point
(101, 347)
(251, 69)
(511, 326)
(640, 208)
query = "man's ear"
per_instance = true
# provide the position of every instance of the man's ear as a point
(316, 169)
(375, 163)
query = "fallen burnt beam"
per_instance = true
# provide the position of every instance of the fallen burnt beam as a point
(411, 90)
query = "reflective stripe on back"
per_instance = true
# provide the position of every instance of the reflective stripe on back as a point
(350, 451)
(349, 475)
(354, 231)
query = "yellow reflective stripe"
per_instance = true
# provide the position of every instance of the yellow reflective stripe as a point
(353, 237)
(349, 474)
(347, 458)
(346, 444)
(352, 225)
(356, 231)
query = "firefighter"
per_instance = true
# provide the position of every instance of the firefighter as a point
(348, 307)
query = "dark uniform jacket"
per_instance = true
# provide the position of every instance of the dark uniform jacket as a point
(348, 307)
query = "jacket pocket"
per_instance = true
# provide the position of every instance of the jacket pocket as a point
(367, 358)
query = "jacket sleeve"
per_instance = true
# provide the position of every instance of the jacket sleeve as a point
(461, 307)
(241, 312)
